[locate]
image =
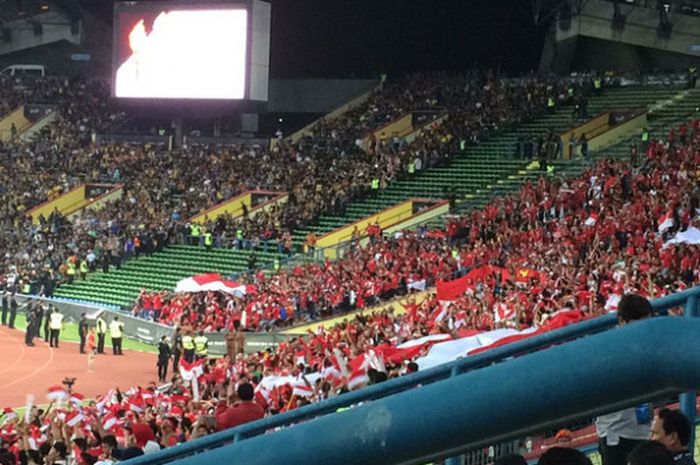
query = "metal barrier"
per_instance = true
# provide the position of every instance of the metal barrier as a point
(493, 404)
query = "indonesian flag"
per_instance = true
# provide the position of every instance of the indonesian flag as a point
(447, 351)
(74, 418)
(301, 389)
(358, 378)
(214, 282)
(665, 222)
(188, 371)
(76, 399)
(592, 219)
(136, 404)
(109, 421)
(56, 393)
(612, 302)
(503, 312)
(9, 414)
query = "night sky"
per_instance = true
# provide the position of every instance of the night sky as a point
(363, 38)
(339, 38)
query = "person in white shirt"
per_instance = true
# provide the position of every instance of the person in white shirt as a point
(620, 432)
(55, 327)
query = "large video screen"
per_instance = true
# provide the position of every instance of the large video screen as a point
(166, 51)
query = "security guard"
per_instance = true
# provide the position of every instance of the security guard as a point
(188, 347)
(375, 186)
(101, 330)
(239, 238)
(116, 328)
(597, 85)
(201, 344)
(208, 240)
(412, 168)
(550, 104)
(71, 271)
(55, 327)
(83, 269)
(195, 232)
(645, 140)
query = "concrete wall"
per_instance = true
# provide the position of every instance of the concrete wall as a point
(314, 95)
(55, 28)
(640, 27)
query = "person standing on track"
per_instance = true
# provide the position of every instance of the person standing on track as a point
(31, 325)
(13, 311)
(91, 345)
(177, 349)
(82, 331)
(163, 358)
(55, 327)
(101, 330)
(46, 317)
(5, 306)
(115, 331)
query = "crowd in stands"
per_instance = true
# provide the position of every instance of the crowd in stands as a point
(576, 243)
(322, 172)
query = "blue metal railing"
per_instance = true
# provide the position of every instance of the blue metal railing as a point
(485, 361)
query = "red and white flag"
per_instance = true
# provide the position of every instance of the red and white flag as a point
(188, 371)
(301, 389)
(56, 393)
(214, 282)
(503, 312)
(665, 222)
(109, 421)
(74, 418)
(76, 399)
(358, 378)
(136, 404)
(592, 219)
(8, 414)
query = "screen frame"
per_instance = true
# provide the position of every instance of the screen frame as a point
(179, 102)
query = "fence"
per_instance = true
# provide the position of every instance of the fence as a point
(476, 401)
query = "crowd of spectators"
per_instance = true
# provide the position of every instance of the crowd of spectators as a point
(558, 243)
(163, 189)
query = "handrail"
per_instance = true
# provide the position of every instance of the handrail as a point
(483, 362)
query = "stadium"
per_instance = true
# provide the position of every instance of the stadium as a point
(244, 231)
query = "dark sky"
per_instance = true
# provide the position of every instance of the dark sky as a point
(338, 38)
(345, 38)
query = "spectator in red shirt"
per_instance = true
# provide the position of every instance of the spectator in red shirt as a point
(243, 411)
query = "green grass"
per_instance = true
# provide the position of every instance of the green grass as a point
(70, 334)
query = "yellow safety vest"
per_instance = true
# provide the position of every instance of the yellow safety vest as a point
(375, 183)
(200, 345)
(208, 239)
(71, 269)
(84, 266)
(550, 102)
(195, 230)
(187, 342)
(115, 329)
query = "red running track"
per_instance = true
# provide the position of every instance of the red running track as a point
(25, 370)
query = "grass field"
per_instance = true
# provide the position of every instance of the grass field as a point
(70, 334)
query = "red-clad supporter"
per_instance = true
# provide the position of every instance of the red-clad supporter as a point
(242, 411)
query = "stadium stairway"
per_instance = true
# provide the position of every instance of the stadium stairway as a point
(490, 168)
(160, 271)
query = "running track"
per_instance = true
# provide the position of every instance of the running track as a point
(25, 370)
